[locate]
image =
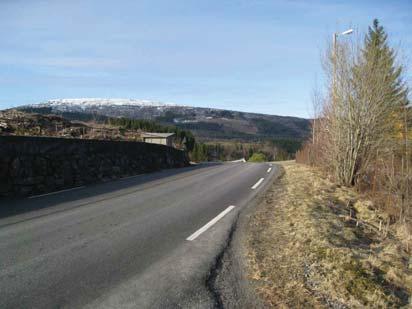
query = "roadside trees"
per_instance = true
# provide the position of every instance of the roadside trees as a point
(366, 96)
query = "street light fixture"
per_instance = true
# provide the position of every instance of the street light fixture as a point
(335, 37)
(349, 31)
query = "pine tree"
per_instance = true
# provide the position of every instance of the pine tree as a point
(381, 59)
(374, 104)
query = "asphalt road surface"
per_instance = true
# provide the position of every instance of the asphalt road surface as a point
(146, 241)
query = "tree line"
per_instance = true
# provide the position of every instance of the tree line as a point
(271, 150)
(183, 137)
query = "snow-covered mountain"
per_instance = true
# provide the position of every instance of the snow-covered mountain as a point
(103, 102)
(206, 123)
(132, 108)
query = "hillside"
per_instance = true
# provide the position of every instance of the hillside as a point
(207, 124)
(17, 122)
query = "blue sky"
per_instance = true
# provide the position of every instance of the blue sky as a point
(255, 55)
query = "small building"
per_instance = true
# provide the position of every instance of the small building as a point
(158, 138)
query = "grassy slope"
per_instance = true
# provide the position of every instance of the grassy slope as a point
(314, 244)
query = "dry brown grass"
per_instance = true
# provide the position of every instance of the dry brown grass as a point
(314, 244)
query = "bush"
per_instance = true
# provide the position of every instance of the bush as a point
(258, 157)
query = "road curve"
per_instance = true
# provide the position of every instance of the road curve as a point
(147, 241)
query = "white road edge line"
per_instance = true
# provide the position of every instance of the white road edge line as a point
(209, 224)
(258, 183)
(55, 192)
(269, 169)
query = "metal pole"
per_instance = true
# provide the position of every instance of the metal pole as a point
(335, 38)
(406, 155)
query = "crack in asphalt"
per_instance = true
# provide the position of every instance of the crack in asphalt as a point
(218, 265)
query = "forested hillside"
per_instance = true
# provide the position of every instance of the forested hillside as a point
(207, 124)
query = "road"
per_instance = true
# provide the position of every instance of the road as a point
(147, 241)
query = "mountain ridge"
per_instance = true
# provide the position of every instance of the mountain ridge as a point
(206, 123)
(135, 102)
(105, 101)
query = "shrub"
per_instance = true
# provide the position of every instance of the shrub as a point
(257, 157)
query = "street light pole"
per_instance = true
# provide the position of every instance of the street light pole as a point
(335, 53)
(335, 50)
(406, 119)
(335, 56)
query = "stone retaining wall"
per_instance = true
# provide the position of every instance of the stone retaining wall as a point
(33, 165)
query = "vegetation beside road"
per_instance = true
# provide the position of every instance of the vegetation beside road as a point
(362, 134)
(257, 157)
(313, 243)
(272, 149)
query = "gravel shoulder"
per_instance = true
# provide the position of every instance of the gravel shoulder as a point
(310, 243)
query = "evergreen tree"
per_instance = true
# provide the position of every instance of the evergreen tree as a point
(370, 100)
(379, 58)
(250, 152)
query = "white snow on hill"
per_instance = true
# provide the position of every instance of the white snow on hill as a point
(104, 102)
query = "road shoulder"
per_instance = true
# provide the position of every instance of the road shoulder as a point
(310, 243)
(228, 280)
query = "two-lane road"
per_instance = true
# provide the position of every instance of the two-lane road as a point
(144, 241)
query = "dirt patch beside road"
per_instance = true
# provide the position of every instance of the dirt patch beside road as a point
(311, 243)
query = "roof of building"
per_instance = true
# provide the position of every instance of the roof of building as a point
(156, 135)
